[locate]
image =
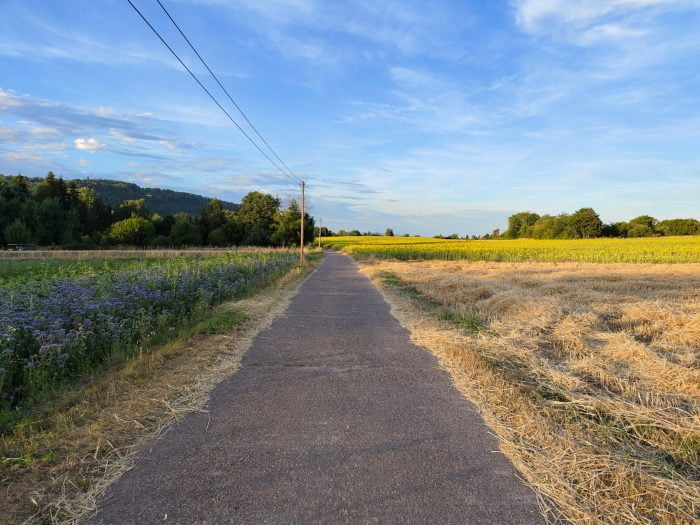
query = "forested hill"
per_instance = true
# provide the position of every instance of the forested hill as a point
(163, 202)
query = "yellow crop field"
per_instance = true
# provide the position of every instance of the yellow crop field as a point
(606, 250)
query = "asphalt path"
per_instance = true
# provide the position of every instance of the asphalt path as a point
(334, 416)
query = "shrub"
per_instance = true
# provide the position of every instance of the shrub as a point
(135, 230)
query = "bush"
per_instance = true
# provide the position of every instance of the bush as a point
(135, 230)
(17, 233)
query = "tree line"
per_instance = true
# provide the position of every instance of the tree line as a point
(586, 224)
(64, 214)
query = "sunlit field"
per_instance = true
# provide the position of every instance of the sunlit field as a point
(641, 250)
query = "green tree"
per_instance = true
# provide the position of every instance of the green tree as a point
(213, 216)
(614, 229)
(71, 228)
(645, 220)
(17, 233)
(52, 187)
(228, 234)
(287, 227)
(184, 232)
(49, 221)
(132, 208)
(549, 227)
(389, 232)
(639, 230)
(95, 216)
(257, 215)
(679, 227)
(584, 224)
(519, 224)
(133, 231)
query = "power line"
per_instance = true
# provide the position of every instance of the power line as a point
(225, 90)
(155, 31)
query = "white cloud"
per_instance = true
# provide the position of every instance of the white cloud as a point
(88, 144)
(587, 22)
(532, 14)
(8, 99)
(124, 136)
(83, 163)
(105, 111)
(43, 130)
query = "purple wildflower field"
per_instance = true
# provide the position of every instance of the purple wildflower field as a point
(56, 326)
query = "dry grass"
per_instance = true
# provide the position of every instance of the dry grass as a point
(589, 374)
(54, 470)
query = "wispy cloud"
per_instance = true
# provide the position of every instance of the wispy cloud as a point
(588, 22)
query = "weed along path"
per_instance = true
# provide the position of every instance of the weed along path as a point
(333, 416)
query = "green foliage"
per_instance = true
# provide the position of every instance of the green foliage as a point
(132, 208)
(134, 231)
(584, 224)
(56, 213)
(389, 232)
(257, 215)
(185, 233)
(550, 227)
(17, 233)
(220, 321)
(228, 234)
(48, 216)
(679, 227)
(519, 224)
(645, 220)
(639, 230)
(213, 216)
(287, 227)
(164, 202)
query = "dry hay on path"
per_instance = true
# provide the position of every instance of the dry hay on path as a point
(588, 373)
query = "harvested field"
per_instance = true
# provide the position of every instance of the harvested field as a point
(588, 373)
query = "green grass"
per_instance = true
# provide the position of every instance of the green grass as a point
(220, 322)
(467, 323)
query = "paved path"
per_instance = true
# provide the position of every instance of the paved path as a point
(335, 416)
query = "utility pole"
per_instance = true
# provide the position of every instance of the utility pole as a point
(320, 226)
(301, 254)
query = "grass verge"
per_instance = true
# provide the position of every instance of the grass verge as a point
(63, 455)
(594, 401)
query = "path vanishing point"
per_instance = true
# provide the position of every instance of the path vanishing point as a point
(334, 416)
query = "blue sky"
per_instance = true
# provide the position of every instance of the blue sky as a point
(428, 117)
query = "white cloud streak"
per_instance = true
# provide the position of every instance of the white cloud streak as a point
(88, 144)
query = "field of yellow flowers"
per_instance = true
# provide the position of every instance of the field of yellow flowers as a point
(641, 250)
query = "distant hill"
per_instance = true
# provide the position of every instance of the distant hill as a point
(163, 202)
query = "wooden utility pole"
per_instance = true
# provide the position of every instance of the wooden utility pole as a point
(301, 253)
(320, 226)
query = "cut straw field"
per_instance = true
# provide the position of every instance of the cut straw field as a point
(642, 250)
(589, 374)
